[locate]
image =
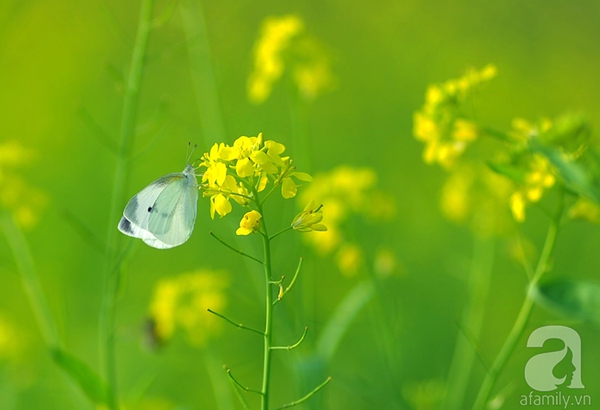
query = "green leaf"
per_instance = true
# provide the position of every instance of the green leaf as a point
(576, 299)
(92, 385)
(508, 171)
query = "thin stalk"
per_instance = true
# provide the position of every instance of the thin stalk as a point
(472, 320)
(268, 317)
(523, 317)
(127, 131)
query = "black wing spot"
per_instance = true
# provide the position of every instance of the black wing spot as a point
(149, 209)
(125, 226)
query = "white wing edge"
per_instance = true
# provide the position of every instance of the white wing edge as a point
(129, 229)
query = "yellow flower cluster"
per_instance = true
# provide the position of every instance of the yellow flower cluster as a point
(283, 38)
(241, 171)
(344, 192)
(22, 200)
(441, 124)
(182, 302)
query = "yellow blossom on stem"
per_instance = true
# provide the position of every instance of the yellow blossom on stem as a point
(250, 223)
(309, 219)
(284, 45)
(244, 169)
(441, 124)
(539, 178)
(275, 38)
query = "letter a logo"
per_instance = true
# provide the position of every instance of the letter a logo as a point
(540, 370)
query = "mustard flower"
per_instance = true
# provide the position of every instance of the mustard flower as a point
(538, 178)
(441, 125)
(283, 42)
(289, 187)
(250, 223)
(309, 219)
(344, 192)
(275, 38)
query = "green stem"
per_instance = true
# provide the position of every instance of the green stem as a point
(275, 235)
(308, 396)
(127, 131)
(268, 316)
(519, 326)
(472, 320)
(29, 278)
(234, 249)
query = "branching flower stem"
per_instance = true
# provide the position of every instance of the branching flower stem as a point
(521, 322)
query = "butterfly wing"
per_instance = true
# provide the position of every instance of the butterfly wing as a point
(163, 213)
(174, 212)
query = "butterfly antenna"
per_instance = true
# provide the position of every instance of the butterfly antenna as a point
(190, 151)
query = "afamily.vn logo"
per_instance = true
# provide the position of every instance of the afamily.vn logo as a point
(547, 371)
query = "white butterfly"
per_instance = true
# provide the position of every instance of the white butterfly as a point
(163, 213)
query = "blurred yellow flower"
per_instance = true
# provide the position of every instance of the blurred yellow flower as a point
(344, 192)
(275, 37)
(283, 42)
(309, 219)
(349, 259)
(538, 178)
(23, 201)
(250, 223)
(441, 125)
(182, 302)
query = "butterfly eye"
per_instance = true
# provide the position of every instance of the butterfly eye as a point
(149, 209)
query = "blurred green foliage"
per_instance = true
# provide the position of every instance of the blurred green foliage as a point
(62, 70)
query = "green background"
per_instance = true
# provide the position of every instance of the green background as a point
(59, 57)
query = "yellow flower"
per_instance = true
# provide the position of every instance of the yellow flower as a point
(182, 302)
(517, 206)
(283, 43)
(216, 171)
(250, 223)
(275, 38)
(256, 163)
(220, 204)
(344, 192)
(538, 178)
(309, 219)
(441, 126)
